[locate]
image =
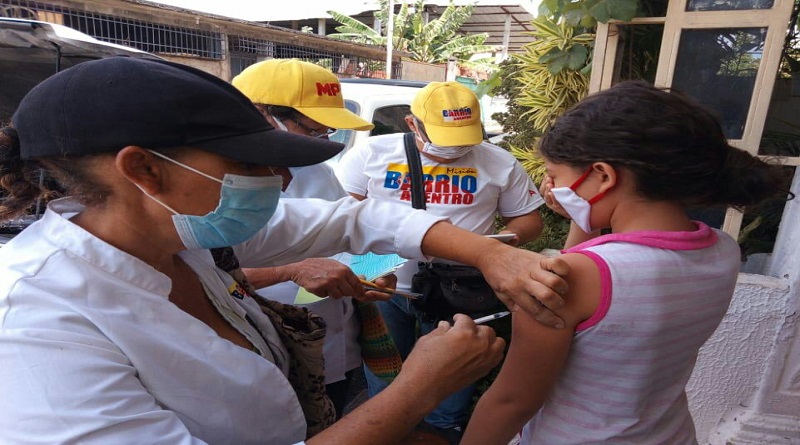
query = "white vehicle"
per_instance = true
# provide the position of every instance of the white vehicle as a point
(385, 103)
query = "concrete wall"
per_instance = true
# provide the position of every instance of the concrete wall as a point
(731, 364)
(746, 386)
(219, 68)
(412, 70)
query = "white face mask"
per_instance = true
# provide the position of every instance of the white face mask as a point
(579, 209)
(443, 152)
(446, 152)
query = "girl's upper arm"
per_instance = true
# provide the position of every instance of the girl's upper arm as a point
(535, 358)
(537, 352)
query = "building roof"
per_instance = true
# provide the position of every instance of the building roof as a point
(488, 15)
(491, 19)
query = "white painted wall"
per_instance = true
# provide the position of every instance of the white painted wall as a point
(746, 385)
(731, 364)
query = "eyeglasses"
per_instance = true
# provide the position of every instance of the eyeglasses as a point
(421, 127)
(324, 132)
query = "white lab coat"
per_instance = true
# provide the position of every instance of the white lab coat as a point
(93, 351)
(341, 350)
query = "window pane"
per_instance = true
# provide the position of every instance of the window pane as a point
(352, 106)
(727, 5)
(713, 217)
(390, 120)
(760, 223)
(718, 67)
(637, 52)
(653, 8)
(346, 136)
(240, 61)
(342, 136)
(781, 135)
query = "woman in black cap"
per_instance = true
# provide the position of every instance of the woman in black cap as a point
(115, 324)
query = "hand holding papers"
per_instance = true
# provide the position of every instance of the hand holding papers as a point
(371, 266)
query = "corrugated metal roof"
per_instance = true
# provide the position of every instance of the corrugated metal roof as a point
(485, 18)
(492, 19)
(488, 16)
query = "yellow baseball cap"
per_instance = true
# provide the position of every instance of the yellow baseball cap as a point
(308, 88)
(450, 112)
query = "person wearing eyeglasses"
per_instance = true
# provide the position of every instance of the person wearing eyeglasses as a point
(314, 129)
(303, 98)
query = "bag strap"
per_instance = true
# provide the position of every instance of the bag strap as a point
(415, 169)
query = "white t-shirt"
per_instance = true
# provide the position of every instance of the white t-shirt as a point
(315, 181)
(341, 350)
(470, 191)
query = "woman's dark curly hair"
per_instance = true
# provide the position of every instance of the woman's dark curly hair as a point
(18, 179)
(21, 181)
(673, 145)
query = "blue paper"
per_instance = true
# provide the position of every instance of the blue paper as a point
(371, 265)
(374, 266)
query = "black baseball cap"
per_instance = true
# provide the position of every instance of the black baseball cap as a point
(105, 105)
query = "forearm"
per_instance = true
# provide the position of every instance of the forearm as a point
(496, 419)
(520, 278)
(268, 276)
(526, 227)
(385, 418)
(532, 365)
(448, 358)
(444, 240)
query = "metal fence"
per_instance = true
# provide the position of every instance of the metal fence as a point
(244, 51)
(166, 39)
(146, 36)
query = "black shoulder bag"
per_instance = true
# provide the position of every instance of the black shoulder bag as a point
(447, 289)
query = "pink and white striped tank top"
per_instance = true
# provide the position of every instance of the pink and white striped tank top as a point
(663, 295)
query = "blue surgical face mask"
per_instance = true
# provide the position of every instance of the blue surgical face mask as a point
(245, 206)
